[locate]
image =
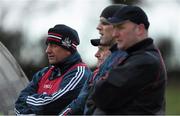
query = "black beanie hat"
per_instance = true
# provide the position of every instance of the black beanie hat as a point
(110, 10)
(64, 36)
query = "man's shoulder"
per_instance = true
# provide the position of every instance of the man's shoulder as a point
(147, 57)
(79, 67)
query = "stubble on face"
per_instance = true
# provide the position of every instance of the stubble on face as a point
(105, 30)
(106, 38)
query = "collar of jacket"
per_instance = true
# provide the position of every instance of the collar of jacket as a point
(113, 48)
(69, 62)
(140, 45)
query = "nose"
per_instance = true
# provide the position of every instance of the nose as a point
(48, 49)
(99, 27)
(97, 54)
(114, 33)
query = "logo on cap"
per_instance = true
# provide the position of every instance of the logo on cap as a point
(66, 42)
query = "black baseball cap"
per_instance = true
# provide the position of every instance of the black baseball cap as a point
(95, 42)
(132, 13)
(110, 10)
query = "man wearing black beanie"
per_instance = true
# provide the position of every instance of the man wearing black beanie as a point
(81, 105)
(54, 87)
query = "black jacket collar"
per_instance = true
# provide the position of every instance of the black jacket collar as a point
(139, 46)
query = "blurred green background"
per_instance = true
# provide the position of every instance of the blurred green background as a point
(173, 98)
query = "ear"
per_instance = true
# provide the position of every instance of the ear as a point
(140, 29)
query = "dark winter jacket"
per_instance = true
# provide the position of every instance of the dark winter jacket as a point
(136, 85)
(53, 87)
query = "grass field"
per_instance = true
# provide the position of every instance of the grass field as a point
(173, 99)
